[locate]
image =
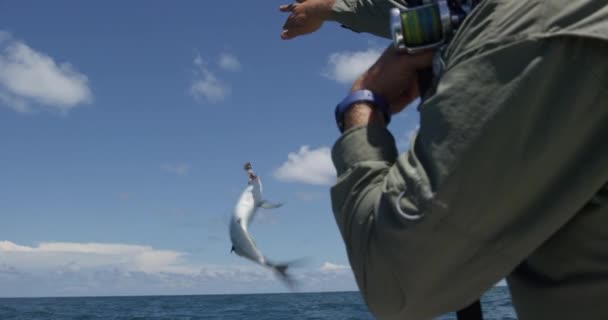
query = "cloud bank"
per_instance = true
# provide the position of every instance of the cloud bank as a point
(90, 269)
(97, 269)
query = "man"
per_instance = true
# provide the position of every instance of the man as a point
(507, 175)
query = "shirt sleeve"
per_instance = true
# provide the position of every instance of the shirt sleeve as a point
(493, 173)
(371, 16)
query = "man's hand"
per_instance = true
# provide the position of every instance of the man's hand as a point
(306, 17)
(394, 77)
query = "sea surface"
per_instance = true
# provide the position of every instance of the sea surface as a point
(329, 305)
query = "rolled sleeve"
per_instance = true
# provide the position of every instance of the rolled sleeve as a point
(369, 16)
(364, 143)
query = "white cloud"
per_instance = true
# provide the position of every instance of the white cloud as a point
(229, 62)
(332, 267)
(28, 76)
(345, 67)
(72, 268)
(206, 85)
(209, 88)
(7, 246)
(308, 166)
(52, 255)
(178, 168)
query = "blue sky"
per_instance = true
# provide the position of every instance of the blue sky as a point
(124, 126)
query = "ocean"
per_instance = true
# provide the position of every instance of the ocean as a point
(318, 306)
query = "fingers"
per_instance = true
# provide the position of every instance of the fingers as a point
(290, 7)
(290, 33)
(292, 27)
(286, 35)
(287, 7)
(288, 28)
(303, 19)
(290, 24)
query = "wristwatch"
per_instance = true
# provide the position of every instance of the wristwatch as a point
(361, 96)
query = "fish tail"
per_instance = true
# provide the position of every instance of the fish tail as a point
(281, 271)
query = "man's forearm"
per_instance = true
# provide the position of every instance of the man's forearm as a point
(361, 114)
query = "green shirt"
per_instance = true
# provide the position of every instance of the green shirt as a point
(507, 176)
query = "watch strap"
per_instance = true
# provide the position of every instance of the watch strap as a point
(361, 96)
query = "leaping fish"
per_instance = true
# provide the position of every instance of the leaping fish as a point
(244, 211)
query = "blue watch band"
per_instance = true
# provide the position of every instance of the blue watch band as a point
(361, 96)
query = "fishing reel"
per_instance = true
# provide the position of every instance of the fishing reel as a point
(427, 24)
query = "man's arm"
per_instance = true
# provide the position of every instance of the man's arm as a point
(307, 16)
(371, 16)
(494, 172)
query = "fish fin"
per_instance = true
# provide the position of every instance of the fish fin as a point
(269, 205)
